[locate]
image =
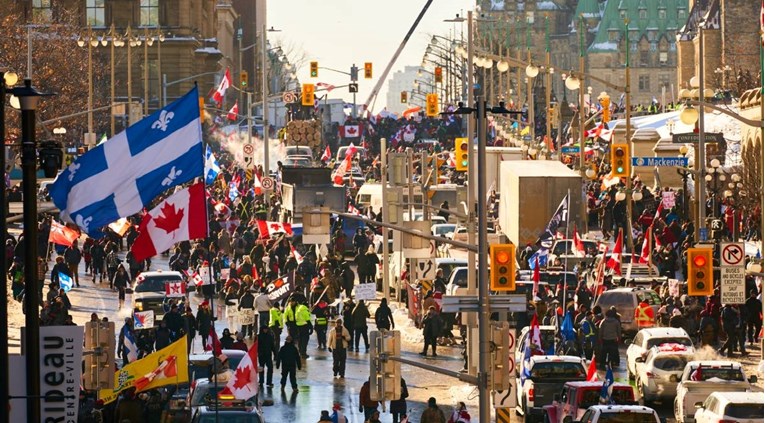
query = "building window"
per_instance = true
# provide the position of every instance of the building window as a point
(681, 15)
(42, 11)
(643, 14)
(644, 57)
(613, 35)
(663, 57)
(644, 83)
(622, 14)
(529, 17)
(149, 12)
(662, 14)
(95, 11)
(664, 81)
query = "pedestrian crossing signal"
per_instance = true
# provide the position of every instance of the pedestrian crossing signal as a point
(431, 105)
(700, 272)
(502, 262)
(307, 97)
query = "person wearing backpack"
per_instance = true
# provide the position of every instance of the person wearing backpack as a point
(384, 316)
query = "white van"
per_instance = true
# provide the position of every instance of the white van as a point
(370, 194)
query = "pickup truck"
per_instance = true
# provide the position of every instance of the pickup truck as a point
(621, 414)
(702, 378)
(577, 397)
(547, 376)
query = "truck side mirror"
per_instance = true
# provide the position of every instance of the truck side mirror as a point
(753, 379)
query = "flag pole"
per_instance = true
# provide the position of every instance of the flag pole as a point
(212, 297)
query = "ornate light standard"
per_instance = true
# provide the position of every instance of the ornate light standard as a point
(91, 42)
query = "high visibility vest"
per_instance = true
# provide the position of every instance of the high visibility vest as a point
(276, 318)
(302, 315)
(644, 316)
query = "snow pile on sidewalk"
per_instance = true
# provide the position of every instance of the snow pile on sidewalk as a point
(409, 332)
(467, 394)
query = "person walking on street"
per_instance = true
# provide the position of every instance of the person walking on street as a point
(398, 406)
(263, 308)
(609, 334)
(730, 320)
(289, 360)
(72, 257)
(265, 353)
(247, 302)
(360, 315)
(366, 404)
(460, 414)
(432, 414)
(275, 325)
(122, 348)
(321, 311)
(348, 318)
(120, 282)
(753, 320)
(204, 322)
(289, 317)
(339, 338)
(190, 328)
(384, 316)
(303, 323)
(431, 329)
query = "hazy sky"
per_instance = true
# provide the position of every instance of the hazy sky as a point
(339, 33)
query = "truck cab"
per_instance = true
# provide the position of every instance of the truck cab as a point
(702, 378)
(547, 376)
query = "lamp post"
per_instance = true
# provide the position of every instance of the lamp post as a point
(28, 100)
(714, 174)
(734, 194)
(91, 42)
(114, 40)
(131, 42)
(9, 79)
(548, 81)
(148, 41)
(160, 39)
(264, 89)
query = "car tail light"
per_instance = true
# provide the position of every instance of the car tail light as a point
(530, 396)
(726, 421)
(650, 375)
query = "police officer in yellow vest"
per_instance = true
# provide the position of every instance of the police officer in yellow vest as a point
(276, 324)
(321, 311)
(644, 315)
(289, 318)
(304, 328)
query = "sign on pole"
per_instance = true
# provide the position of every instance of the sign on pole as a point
(267, 182)
(659, 161)
(693, 138)
(732, 273)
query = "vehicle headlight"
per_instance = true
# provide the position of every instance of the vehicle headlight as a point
(138, 306)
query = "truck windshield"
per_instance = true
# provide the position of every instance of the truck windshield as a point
(557, 370)
(720, 373)
(671, 363)
(626, 418)
(591, 397)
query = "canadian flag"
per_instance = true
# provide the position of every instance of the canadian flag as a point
(175, 289)
(180, 217)
(323, 85)
(167, 369)
(645, 251)
(350, 131)
(327, 155)
(234, 112)
(592, 370)
(615, 261)
(298, 257)
(697, 376)
(351, 151)
(220, 92)
(244, 384)
(197, 279)
(339, 174)
(257, 187)
(578, 244)
(62, 235)
(268, 229)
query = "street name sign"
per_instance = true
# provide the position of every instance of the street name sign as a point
(660, 161)
(498, 303)
(692, 137)
(569, 149)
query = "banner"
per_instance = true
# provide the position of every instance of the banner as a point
(168, 366)
(143, 319)
(365, 291)
(60, 372)
(247, 316)
(280, 289)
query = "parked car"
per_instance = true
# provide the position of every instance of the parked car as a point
(202, 403)
(648, 338)
(149, 291)
(577, 397)
(620, 414)
(731, 407)
(626, 300)
(658, 370)
(547, 375)
(702, 378)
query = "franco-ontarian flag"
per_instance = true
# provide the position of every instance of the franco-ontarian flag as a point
(121, 176)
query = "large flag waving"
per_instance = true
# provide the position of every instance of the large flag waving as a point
(180, 217)
(212, 168)
(558, 218)
(168, 366)
(220, 92)
(61, 235)
(121, 176)
(244, 384)
(615, 260)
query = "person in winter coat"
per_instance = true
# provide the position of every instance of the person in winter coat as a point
(72, 257)
(360, 241)
(247, 302)
(360, 315)
(384, 316)
(730, 322)
(239, 344)
(265, 351)
(609, 334)
(431, 329)
(321, 312)
(129, 408)
(226, 340)
(189, 328)
(753, 321)
(361, 266)
(276, 324)
(372, 261)
(120, 282)
(432, 414)
(366, 404)
(398, 406)
(339, 339)
(122, 349)
(460, 414)
(204, 322)
(289, 360)
(161, 336)
(263, 307)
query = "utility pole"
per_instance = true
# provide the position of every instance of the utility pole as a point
(471, 192)
(385, 217)
(484, 308)
(264, 89)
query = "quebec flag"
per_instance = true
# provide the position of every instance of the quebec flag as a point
(121, 176)
(212, 168)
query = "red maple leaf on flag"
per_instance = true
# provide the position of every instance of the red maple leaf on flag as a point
(351, 129)
(170, 219)
(242, 377)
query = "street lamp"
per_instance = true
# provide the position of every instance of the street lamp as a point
(735, 194)
(714, 174)
(91, 42)
(114, 40)
(28, 99)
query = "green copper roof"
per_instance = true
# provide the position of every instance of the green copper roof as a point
(587, 8)
(649, 19)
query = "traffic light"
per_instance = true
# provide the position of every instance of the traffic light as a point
(368, 70)
(461, 147)
(621, 160)
(605, 102)
(404, 98)
(243, 78)
(307, 98)
(500, 349)
(384, 373)
(439, 74)
(502, 267)
(314, 69)
(700, 272)
(431, 106)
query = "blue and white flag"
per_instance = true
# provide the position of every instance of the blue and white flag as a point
(233, 191)
(608, 387)
(542, 254)
(212, 168)
(567, 328)
(131, 347)
(121, 176)
(65, 281)
(560, 217)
